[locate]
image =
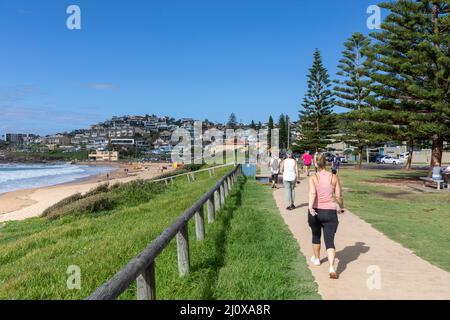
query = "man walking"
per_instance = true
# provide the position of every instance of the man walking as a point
(336, 164)
(289, 170)
(274, 165)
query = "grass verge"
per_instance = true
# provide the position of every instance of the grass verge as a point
(248, 252)
(392, 201)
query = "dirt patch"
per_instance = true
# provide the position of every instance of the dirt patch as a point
(395, 182)
(393, 195)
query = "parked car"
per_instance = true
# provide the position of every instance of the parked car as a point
(391, 160)
(404, 155)
(343, 159)
(375, 158)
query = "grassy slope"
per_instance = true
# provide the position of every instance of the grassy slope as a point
(35, 254)
(419, 221)
(248, 252)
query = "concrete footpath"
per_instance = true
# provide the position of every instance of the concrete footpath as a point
(369, 264)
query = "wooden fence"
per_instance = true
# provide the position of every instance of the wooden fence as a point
(142, 268)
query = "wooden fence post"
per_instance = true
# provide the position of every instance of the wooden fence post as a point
(171, 180)
(225, 189)
(210, 206)
(216, 200)
(222, 194)
(200, 224)
(189, 178)
(183, 250)
(146, 284)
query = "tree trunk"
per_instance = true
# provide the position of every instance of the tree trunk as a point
(436, 152)
(411, 152)
(360, 157)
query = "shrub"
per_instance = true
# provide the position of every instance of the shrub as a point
(92, 204)
(101, 188)
(138, 191)
(64, 202)
(193, 167)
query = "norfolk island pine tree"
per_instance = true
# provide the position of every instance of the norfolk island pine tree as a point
(352, 90)
(410, 60)
(317, 120)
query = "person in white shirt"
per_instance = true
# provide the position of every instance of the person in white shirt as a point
(289, 170)
(274, 165)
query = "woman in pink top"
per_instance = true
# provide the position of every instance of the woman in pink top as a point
(325, 193)
(307, 161)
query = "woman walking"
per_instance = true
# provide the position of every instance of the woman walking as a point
(289, 170)
(324, 192)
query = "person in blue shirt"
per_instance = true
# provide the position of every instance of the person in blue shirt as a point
(336, 164)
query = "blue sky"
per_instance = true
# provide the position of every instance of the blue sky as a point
(198, 58)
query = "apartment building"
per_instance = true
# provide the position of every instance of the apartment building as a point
(104, 156)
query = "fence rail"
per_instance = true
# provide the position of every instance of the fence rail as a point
(191, 175)
(142, 268)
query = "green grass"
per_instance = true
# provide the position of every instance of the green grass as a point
(35, 254)
(248, 252)
(418, 220)
(49, 155)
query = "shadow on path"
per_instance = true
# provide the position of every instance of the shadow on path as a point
(350, 254)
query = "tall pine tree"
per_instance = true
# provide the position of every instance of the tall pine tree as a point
(352, 90)
(317, 120)
(282, 126)
(411, 68)
(269, 132)
(232, 121)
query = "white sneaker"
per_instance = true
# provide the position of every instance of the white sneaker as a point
(332, 273)
(315, 261)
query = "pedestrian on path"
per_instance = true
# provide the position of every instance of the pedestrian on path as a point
(307, 161)
(274, 165)
(289, 170)
(336, 164)
(325, 192)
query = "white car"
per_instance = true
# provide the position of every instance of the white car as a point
(391, 160)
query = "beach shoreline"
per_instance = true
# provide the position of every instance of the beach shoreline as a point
(27, 203)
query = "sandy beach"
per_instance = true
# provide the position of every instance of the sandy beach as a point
(24, 204)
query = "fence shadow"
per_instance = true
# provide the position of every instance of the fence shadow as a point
(223, 221)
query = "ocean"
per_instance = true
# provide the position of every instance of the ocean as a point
(26, 176)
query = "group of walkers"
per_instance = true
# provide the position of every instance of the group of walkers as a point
(325, 197)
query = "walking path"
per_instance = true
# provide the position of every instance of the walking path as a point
(369, 264)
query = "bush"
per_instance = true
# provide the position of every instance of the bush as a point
(193, 167)
(101, 188)
(92, 204)
(138, 191)
(64, 202)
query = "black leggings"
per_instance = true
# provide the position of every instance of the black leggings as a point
(326, 219)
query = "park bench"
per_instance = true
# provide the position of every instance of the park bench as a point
(435, 178)
(431, 180)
